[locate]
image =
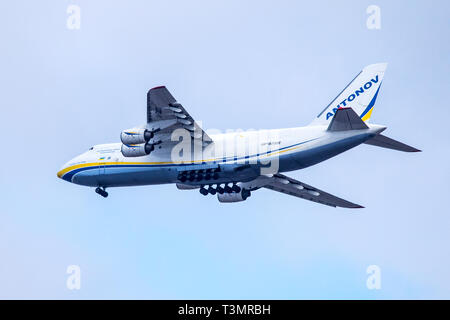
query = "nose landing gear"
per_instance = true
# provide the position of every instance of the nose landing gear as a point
(101, 191)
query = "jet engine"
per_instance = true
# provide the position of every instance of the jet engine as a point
(234, 196)
(136, 150)
(135, 136)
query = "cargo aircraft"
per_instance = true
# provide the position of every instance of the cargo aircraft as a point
(172, 148)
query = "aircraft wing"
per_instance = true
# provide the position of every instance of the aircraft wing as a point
(284, 184)
(167, 114)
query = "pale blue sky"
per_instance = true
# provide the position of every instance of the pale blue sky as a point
(259, 64)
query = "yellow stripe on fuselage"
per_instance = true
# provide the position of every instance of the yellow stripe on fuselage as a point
(96, 164)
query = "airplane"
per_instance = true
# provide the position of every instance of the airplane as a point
(172, 148)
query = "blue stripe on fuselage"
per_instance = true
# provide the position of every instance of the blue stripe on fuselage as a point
(69, 175)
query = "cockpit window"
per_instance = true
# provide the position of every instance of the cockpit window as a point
(91, 148)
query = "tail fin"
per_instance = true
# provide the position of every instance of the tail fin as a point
(360, 95)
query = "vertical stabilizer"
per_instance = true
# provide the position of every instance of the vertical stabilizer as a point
(360, 95)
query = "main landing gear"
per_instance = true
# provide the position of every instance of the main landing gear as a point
(101, 191)
(220, 188)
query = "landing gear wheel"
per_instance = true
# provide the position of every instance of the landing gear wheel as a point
(211, 190)
(228, 189)
(102, 192)
(204, 191)
(246, 193)
(219, 189)
(236, 188)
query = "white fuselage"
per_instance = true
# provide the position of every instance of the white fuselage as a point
(236, 156)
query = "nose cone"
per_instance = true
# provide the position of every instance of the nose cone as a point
(61, 172)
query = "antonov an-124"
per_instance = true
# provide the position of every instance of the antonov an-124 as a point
(172, 148)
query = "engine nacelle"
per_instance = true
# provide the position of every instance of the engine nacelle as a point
(234, 196)
(136, 150)
(135, 136)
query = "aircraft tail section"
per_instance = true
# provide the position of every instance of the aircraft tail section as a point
(384, 142)
(346, 119)
(360, 95)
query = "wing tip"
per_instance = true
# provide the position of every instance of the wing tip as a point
(410, 149)
(353, 206)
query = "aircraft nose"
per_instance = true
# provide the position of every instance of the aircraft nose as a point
(62, 170)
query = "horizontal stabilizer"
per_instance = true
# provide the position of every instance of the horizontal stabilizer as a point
(346, 119)
(385, 142)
